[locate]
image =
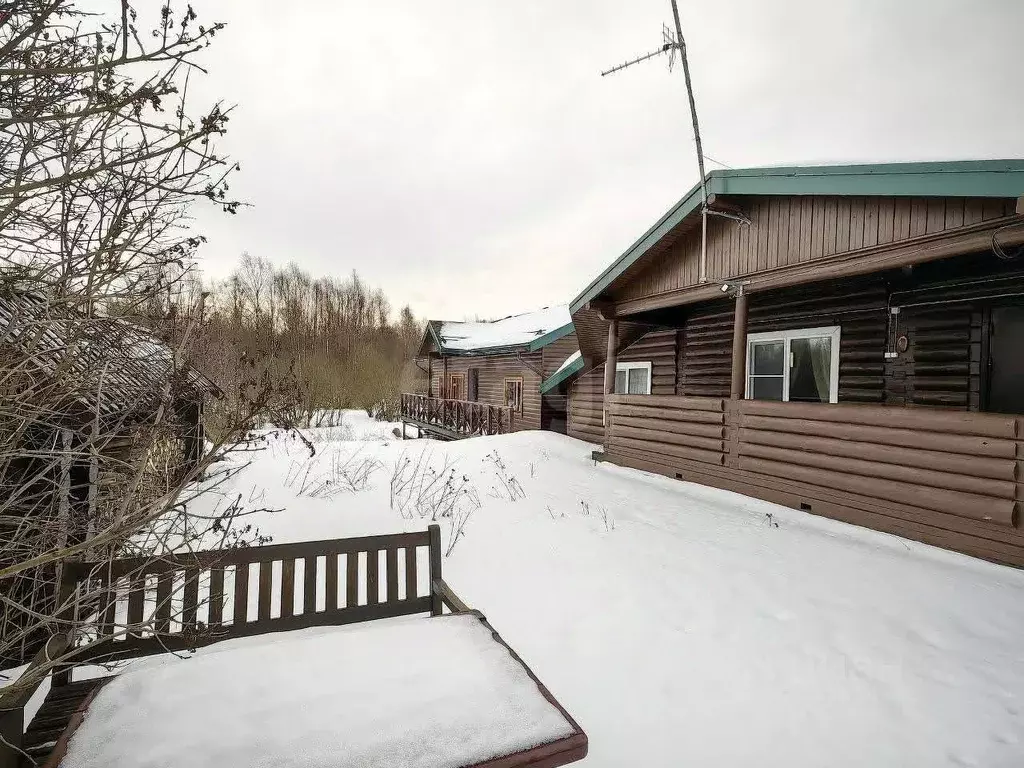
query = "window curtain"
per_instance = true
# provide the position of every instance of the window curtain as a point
(821, 362)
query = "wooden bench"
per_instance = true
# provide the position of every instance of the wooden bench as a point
(134, 607)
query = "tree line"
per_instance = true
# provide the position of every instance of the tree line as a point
(335, 338)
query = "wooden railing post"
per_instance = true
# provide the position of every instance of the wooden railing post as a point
(435, 568)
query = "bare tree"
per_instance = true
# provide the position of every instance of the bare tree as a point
(102, 155)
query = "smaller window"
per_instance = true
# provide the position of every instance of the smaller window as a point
(514, 394)
(633, 378)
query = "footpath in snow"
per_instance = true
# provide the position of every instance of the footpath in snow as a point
(682, 625)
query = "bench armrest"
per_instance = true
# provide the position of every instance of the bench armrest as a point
(448, 597)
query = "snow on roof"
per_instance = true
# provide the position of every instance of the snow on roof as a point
(429, 692)
(569, 361)
(514, 331)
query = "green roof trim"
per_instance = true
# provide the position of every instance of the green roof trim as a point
(558, 333)
(962, 178)
(555, 379)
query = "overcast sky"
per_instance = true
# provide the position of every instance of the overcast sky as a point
(466, 156)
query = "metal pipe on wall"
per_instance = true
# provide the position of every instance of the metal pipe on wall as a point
(610, 359)
(739, 347)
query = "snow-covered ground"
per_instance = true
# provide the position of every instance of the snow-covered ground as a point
(682, 625)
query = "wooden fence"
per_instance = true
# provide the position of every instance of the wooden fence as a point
(953, 479)
(457, 418)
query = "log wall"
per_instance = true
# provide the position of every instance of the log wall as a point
(951, 479)
(857, 307)
(586, 396)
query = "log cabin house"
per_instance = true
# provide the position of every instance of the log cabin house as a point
(486, 377)
(846, 340)
(77, 402)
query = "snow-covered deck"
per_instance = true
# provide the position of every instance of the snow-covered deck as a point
(433, 692)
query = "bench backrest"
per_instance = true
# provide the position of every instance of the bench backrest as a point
(139, 606)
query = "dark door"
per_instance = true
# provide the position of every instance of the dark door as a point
(1006, 360)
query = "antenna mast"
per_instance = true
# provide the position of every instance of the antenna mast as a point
(673, 44)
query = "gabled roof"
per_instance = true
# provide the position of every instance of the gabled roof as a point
(964, 178)
(527, 332)
(573, 364)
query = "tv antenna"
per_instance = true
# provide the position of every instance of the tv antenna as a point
(673, 44)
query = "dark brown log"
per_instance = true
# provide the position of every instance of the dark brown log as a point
(952, 502)
(710, 457)
(671, 438)
(881, 435)
(674, 402)
(668, 425)
(870, 466)
(670, 414)
(982, 424)
(834, 445)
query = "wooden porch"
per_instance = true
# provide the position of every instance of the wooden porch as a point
(449, 419)
(142, 606)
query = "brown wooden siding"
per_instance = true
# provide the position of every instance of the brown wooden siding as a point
(857, 307)
(586, 397)
(493, 370)
(948, 479)
(791, 230)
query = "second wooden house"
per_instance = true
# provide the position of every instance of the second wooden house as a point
(485, 377)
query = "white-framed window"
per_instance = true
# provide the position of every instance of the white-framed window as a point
(794, 366)
(633, 378)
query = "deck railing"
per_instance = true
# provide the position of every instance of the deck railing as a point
(460, 418)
